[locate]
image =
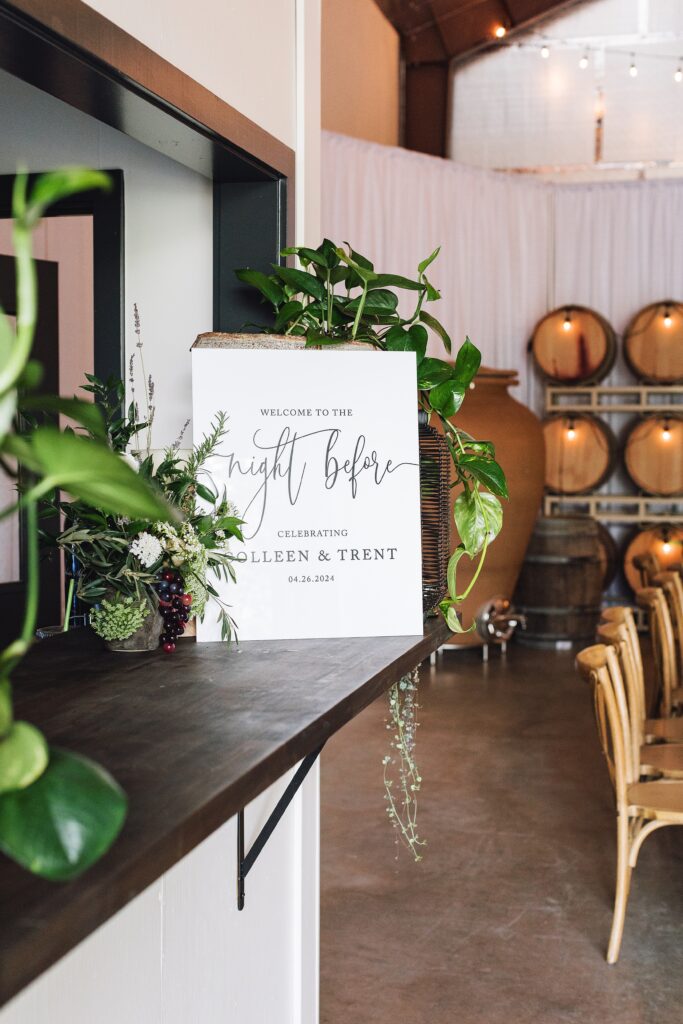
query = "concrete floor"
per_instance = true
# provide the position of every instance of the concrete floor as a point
(506, 919)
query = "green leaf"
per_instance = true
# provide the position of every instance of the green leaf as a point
(431, 372)
(363, 269)
(414, 339)
(287, 313)
(313, 256)
(55, 185)
(32, 375)
(300, 281)
(451, 571)
(206, 493)
(478, 518)
(268, 286)
(447, 398)
(467, 362)
(65, 821)
(486, 471)
(8, 406)
(377, 303)
(87, 414)
(437, 327)
(453, 621)
(421, 267)
(23, 757)
(95, 474)
(396, 281)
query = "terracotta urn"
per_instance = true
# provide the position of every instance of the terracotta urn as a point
(490, 413)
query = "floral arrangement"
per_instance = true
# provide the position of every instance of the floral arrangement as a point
(129, 569)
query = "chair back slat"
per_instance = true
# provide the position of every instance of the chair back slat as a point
(616, 635)
(663, 646)
(600, 666)
(671, 584)
(648, 566)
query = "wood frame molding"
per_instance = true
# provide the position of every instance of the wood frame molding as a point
(92, 48)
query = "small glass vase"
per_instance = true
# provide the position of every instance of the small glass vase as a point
(146, 638)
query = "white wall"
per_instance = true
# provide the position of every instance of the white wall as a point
(513, 109)
(242, 50)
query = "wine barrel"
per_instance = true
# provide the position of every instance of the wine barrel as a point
(653, 454)
(580, 452)
(664, 542)
(560, 586)
(653, 343)
(574, 345)
(608, 555)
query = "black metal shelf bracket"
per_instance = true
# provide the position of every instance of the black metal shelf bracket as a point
(246, 863)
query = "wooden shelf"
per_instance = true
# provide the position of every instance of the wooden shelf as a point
(192, 738)
(639, 398)
(617, 508)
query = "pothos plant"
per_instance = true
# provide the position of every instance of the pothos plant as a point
(338, 296)
(59, 812)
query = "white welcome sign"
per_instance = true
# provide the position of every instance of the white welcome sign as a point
(321, 460)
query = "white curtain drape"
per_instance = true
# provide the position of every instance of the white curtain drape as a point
(511, 248)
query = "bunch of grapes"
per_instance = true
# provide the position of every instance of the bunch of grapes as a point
(174, 605)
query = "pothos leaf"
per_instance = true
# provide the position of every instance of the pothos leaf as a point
(467, 362)
(437, 327)
(65, 820)
(486, 471)
(268, 286)
(23, 757)
(431, 372)
(478, 517)
(421, 267)
(447, 397)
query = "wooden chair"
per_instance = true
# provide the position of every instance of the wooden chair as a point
(664, 759)
(670, 730)
(641, 807)
(648, 566)
(672, 585)
(663, 646)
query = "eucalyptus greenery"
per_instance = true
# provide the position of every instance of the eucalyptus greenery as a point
(338, 296)
(59, 812)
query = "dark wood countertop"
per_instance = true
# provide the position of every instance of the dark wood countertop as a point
(192, 737)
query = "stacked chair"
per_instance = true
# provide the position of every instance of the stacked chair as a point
(641, 737)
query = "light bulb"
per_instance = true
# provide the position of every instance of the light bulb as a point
(500, 31)
(583, 63)
(666, 547)
(668, 319)
(545, 52)
(678, 74)
(571, 431)
(633, 70)
(666, 431)
(567, 322)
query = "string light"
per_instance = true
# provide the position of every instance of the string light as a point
(678, 73)
(666, 547)
(666, 431)
(633, 70)
(545, 52)
(500, 31)
(583, 63)
(668, 319)
(571, 430)
(567, 322)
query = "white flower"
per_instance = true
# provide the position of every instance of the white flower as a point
(147, 549)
